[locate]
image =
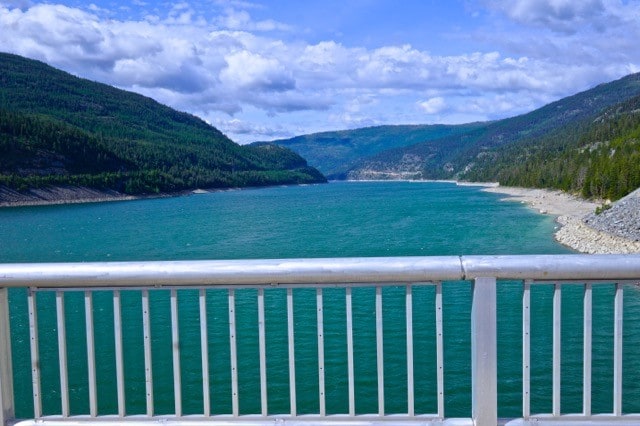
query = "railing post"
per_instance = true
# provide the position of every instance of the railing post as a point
(484, 387)
(6, 373)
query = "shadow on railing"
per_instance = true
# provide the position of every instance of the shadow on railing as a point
(340, 357)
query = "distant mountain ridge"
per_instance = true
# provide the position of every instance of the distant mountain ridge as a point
(335, 153)
(479, 151)
(58, 129)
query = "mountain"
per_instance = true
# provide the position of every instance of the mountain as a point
(335, 153)
(568, 116)
(479, 151)
(597, 158)
(57, 129)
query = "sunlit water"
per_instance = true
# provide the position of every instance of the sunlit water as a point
(334, 220)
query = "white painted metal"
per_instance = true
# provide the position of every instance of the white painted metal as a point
(484, 364)
(175, 345)
(550, 268)
(234, 353)
(292, 353)
(340, 421)
(91, 354)
(119, 355)
(439, 350)
(279, 420)
(317, 273)
(526, 350)
(557, 348)
(35, 353)
(409, 337)
(262, 344)
(320, 271)
(224, 272)
(148, 370)
(350, 370)
(617, 351)
(380, 350)
(204, 349)
(7, 411)
(62, 355)
(320, 322)
(587, 344)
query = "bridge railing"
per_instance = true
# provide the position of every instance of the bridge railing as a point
(230, 277)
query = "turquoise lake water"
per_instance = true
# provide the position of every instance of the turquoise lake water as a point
(335, 220)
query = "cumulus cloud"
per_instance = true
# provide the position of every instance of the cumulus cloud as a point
(228, 65)
(252, 129)
(573, 44)
(559, 15)
(433, 105)
(241, 20)
(254, 72)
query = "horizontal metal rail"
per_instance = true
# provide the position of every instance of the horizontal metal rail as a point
(320, 271)
(318, 274)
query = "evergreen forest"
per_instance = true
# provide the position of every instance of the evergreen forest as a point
(597, 159)
(587, 143)
(57, 130)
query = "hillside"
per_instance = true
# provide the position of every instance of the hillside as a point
(335, 153)
(598, 158)
(57, 129)
(494, 151)
(454, 156)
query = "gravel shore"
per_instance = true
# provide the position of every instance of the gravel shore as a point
(57, 195)
(616, 230)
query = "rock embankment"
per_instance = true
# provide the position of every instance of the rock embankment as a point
(622, 219)
(575, 233)
(615, 230)
(57, 195)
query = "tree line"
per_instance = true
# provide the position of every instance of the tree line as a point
(57, 129)
(596, 159)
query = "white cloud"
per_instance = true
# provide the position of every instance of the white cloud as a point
(238, 4)
(241, 20)
(433, 105)
(231, 66)
(558, 15)
(395, 67)
(246, 70)
(256, 129)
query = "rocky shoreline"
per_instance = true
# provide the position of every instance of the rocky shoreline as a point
(58, 195)
(616, 230)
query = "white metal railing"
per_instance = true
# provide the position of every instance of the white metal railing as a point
(319, 274)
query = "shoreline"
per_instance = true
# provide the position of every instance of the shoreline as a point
(60, 195)
(570, 212)
(57, 195)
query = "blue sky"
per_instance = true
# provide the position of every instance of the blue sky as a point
(260, 70)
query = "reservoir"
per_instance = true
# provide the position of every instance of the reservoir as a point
(342, 219)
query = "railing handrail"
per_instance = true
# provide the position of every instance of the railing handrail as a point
(483, 271)
(319, 271)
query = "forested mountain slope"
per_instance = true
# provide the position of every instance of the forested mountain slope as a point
(57, 129)
(544, 148)
(456, 155)
(335, 153)
(599, 158)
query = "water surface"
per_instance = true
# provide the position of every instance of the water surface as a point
(335, 220)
